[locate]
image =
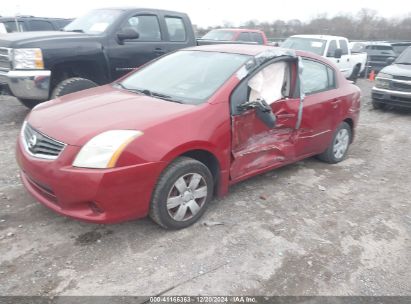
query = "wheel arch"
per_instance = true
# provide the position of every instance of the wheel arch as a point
(350, 122)
(205, 154)
(87, 69)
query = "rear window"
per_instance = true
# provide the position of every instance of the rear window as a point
(257, 37)
(40, 25)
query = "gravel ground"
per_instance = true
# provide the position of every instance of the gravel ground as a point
(306, 229)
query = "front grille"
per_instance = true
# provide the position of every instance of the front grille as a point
(400, 86)
(5, 59)
(406, 78)
(40, 145)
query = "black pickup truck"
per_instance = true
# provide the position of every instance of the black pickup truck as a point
(93, 50)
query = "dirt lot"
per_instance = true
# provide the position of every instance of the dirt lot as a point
(306, 229)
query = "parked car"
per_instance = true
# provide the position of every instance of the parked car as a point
(166, 138)
(333, 48)
(393, 84)
(400, 46)
(378, 53)
(237, 35)
(93, 50)
(31, 23)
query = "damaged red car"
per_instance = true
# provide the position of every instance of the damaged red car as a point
(165, 139)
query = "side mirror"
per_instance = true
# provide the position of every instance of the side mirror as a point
(338, 53)
(390, 60)
(127, 33)
(263, 111)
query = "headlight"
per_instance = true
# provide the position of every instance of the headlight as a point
(103, 150)
(28, 59)
(383, 80)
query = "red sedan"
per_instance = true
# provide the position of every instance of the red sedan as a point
(168, 137)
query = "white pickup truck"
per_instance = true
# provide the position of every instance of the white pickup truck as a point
(334, 48)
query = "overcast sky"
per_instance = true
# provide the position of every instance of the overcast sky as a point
(213, 12)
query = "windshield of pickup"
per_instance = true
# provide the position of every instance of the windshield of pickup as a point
(220, 35)
(189, 77)
(405, 57)
(94, 22)
(312, 45)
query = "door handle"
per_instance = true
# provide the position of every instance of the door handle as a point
(285, 115)
(159, 51)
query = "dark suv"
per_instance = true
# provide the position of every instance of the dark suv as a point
(393, 84)
(30, 23)
(378, 53)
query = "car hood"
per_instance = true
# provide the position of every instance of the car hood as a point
(76, 118)
(398, 70)
(25, 39)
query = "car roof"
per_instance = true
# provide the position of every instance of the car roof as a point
(250, 50)
(237, 30)
(131, 8)
(31, 17)
(319, 36)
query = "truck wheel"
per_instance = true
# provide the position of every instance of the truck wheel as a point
(29, 103)
(377, 105)
(338, 148)
(354, 74)
(182, 194)
(72, 85)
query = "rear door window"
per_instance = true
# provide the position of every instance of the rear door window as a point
(344, 47)
(331, 48)
(176, 29)
(317, 77)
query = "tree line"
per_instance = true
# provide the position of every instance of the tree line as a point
(364, 25)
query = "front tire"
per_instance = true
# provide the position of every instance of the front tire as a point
(354, 74)
(72, 85)
(377, 105)
(338, 148)
(182, 194)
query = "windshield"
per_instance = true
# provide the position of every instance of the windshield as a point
(315, 46)
(189, 77)
(405, 57)
(94, 22)
(379, 47)
(219, 35)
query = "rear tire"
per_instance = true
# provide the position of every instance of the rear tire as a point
(355, 73)
(338, 148)
(29, 103)
(181, 194)
(72, 85)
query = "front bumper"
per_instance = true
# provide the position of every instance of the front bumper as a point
(32, 84)
(390, 97)
(98, 196)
